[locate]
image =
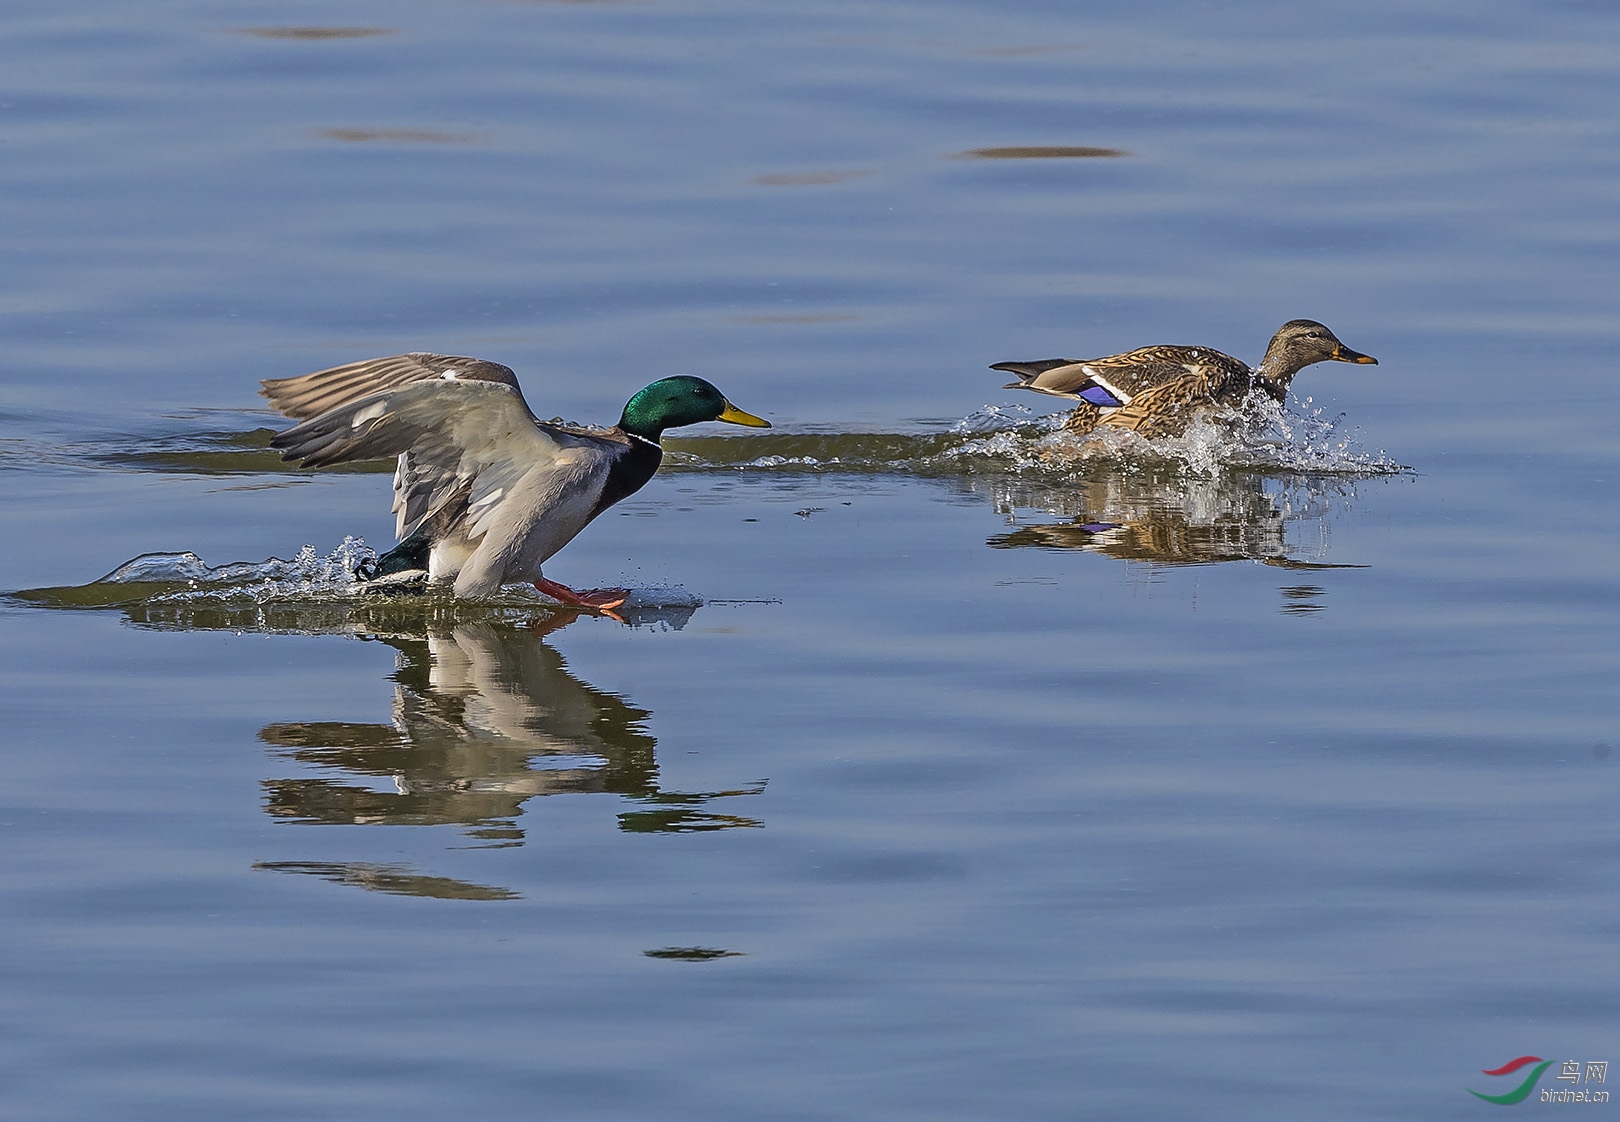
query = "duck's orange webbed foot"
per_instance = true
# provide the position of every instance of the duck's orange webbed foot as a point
(602, 600)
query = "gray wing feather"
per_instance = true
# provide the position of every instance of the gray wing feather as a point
(474, 437)
(310, 395)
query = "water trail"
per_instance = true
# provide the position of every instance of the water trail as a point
(1260, 437)
(313, 592)
(1249, 483)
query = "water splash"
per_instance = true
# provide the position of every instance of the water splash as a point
(313, 592)
(309, 575)
(1261, 436)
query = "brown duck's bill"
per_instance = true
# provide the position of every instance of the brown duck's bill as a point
(735, 416)
(1345, 354)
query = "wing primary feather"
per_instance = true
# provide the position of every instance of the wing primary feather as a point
(310, 395)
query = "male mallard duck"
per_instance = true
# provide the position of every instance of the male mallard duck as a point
(484, 491)
(1151, 390)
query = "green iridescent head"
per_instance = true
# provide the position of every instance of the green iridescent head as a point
(670, 403)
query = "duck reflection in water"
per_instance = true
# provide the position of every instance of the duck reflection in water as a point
(1169, 518)
(486, 717)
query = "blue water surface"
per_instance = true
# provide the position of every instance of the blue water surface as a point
(978, 786)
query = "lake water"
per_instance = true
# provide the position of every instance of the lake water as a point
(948, 768)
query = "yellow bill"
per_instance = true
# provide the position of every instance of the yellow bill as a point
(735, 416)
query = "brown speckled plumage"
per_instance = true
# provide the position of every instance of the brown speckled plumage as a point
(1155, 391)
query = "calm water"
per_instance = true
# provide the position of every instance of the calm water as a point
(948, 771)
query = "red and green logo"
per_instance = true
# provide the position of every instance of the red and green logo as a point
(1522, 1091)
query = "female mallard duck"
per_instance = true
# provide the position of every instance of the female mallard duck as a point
(484, 491)
(1154, 389)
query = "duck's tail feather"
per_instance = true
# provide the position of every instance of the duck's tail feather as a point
(1028, 371)
(412, 553)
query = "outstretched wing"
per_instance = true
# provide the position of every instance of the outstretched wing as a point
(310, 395)
(456, 439)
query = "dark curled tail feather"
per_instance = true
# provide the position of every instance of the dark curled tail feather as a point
(412, 553)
